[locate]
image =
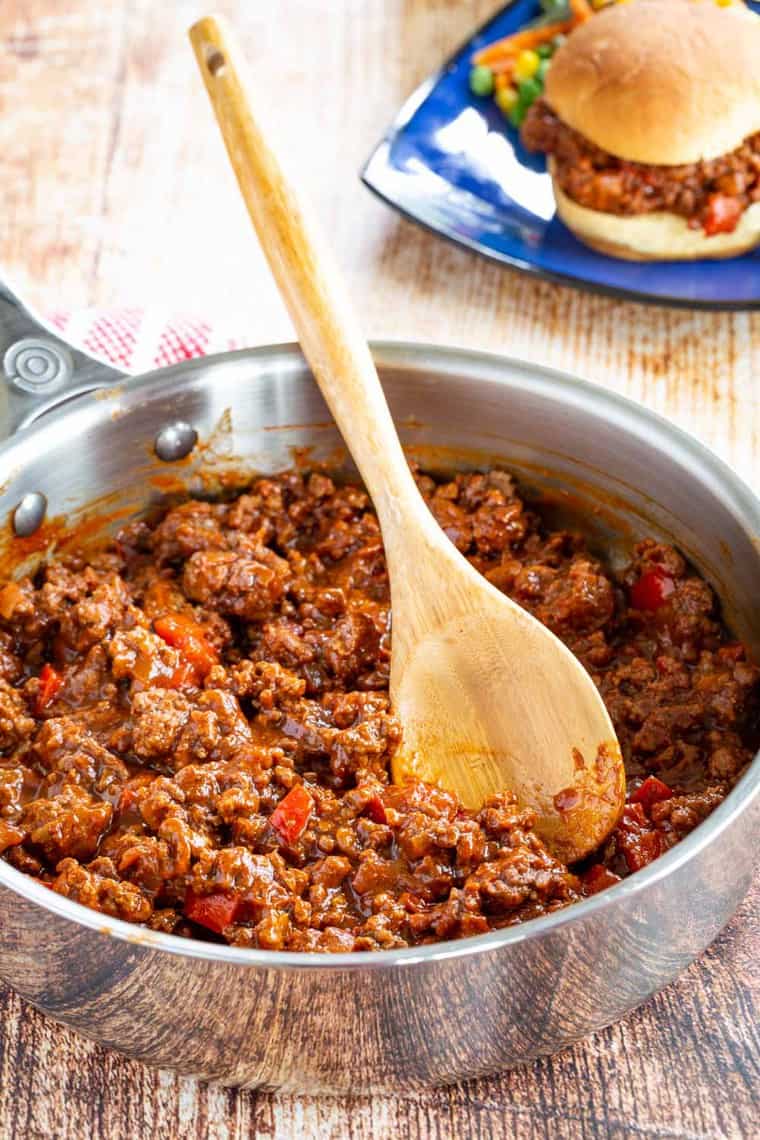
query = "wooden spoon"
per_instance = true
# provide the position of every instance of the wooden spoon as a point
(488, 698)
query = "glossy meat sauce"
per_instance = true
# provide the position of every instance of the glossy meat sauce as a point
(195, 731)
(711, 194)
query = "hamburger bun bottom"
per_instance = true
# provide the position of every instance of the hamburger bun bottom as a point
(659, 236)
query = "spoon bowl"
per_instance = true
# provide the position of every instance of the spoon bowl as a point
(490, 700)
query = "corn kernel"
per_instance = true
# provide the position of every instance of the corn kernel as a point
(506, 99)
(526, 65)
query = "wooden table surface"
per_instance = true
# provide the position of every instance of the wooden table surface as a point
(115, 193)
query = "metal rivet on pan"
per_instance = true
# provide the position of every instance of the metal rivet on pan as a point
(175, 441)
(37, 362)
(28, 515)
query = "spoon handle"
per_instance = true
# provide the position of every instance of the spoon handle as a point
(308, 279)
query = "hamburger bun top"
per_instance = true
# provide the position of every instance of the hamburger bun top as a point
(661, 82)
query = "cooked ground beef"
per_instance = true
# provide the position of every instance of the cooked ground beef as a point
(195, 731)
(711, 194)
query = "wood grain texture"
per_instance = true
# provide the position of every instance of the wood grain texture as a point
(109, 165)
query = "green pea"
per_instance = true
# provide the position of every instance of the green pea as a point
(481, 81)
(544, 50)
(558, 41)
(529, 90)
(517, 114)
(555, 9)
(543, 67)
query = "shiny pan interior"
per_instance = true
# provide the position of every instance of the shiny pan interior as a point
(403, 1018)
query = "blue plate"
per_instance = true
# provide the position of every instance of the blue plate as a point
(452, 163)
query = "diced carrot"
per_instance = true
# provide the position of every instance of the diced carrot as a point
(530, 37)
(581, 10)
(503, 69)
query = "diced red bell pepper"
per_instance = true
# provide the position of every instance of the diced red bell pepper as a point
(184, 674)
(598, 878)
(130, 792)
(652, 589)
(646, 848)
(732, 652)
(292, 813)
(375, 809)
(638, 841)
(722, 214)
(189, 638)
(215, 911)
(127, 798)
(652, 791)
(50, 683)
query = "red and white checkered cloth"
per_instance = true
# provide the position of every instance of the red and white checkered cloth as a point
(139, 340)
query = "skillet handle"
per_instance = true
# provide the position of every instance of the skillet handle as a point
(39, 370)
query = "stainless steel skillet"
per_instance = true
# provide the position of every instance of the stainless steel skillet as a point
(398, 1019)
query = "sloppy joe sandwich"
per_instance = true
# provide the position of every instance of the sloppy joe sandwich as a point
(650, 119)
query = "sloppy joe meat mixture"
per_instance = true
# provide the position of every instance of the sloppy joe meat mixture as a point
(195, 731)
(711, 195)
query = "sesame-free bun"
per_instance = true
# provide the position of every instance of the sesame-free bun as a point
(658, 236)
(661, 82)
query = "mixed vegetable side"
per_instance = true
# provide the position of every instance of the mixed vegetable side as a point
(513, 69)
